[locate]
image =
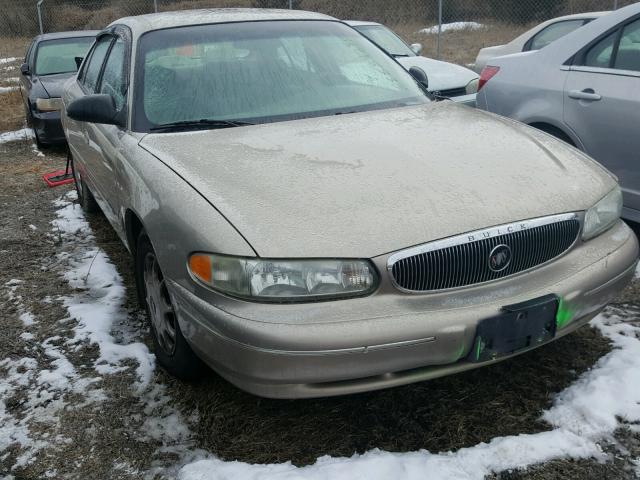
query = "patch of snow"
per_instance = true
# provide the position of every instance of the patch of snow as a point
(452, 27)
(100, 305)
(8, 60)
(27, 319)
(7, 89)
(26, 336)
(23, 134)
(33, 227)
(34, 149)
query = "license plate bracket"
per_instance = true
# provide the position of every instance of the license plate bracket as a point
(518, 327)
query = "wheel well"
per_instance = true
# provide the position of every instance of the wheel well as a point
(554, 131)
(133, 227)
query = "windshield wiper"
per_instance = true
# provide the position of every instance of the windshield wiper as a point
(202, 123)
(397, 55)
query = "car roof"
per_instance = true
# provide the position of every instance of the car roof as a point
(71, 34)
(360, 23)
(156, 21)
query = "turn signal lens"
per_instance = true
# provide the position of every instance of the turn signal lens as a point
(200, 267)
(487, 74)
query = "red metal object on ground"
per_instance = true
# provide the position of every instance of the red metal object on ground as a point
(57, 178)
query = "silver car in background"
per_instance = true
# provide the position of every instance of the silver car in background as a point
(583, 89)
(537, 37)
(446, 80)
(307, 222)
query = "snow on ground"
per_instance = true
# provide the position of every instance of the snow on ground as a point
(7, 89)
(100, 305)
(582, 415)
(23, 134)
(8, 60)
(453, 27)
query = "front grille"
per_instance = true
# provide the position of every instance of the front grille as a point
(453, 92)
(464, 260)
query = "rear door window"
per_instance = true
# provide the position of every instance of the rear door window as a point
(92, 70)
(113, 79)
(628, 54)
(601, 53)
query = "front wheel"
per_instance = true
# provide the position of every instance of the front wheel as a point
(172, 350)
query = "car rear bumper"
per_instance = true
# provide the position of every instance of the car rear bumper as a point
(48, 127)
(292, 358)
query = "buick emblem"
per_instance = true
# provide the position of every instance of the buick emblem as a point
(499, 258)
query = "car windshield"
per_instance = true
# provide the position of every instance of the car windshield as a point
(59, 56)
(386, 39)
(261, 72)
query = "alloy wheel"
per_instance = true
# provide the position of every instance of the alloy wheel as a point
(161, 311)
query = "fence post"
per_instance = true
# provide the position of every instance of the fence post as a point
(615, 4)
(155, 6)
(439, 28)
(290, 4)
(39, 7)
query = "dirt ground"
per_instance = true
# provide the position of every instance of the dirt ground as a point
(112, 438)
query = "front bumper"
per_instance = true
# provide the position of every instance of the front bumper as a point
(390, 338)
(48, 127)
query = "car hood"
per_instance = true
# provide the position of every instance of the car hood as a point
(53, 84)
(442, 75)
(365, 184)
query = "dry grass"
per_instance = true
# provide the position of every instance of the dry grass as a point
(461, 46)
(13, 47)
(11, 111)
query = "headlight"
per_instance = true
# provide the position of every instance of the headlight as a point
(284, 280)
(49, 104)
(472, 86)
(603, 214)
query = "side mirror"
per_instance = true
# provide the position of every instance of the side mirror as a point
(98, 108)
(420, 76)
(416, 48)
(78, 62)
(24, 68)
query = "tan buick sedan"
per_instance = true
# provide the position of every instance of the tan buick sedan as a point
(307, 222)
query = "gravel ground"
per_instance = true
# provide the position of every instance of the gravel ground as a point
(105, 426)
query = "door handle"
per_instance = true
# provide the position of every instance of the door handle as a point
(586, 94)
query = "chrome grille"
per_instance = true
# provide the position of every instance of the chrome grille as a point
(464, 260)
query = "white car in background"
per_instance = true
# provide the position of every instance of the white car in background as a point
(445, 79)
(538, 37)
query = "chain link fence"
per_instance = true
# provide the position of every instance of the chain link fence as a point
(453, 30)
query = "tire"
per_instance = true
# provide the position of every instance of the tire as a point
(28, 117)
(85, 197)
(170, 347)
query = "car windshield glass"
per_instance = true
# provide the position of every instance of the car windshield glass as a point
(59, 56)
(386, 39)
(261, 72)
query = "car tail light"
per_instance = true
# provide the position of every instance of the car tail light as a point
(486, 75)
